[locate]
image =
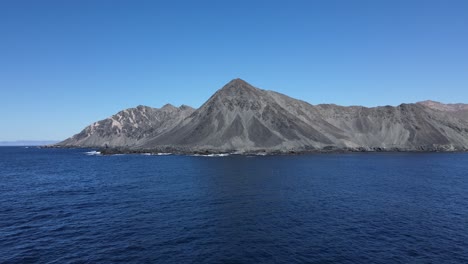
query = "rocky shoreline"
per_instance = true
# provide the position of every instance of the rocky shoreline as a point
(168, 150)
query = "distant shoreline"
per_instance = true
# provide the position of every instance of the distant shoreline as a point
(27, 143)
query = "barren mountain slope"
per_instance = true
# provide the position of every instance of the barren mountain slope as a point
(456, 110)
(130, 126)
(406, 127)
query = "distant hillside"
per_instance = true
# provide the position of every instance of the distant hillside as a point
(242, 118)
(457, 110)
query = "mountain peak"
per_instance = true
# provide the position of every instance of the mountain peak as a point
(185, 107)
(429, 102)
(238, 82)
(238, 87)
(168, 107)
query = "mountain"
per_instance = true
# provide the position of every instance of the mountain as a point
(242, 118)
(129, 127)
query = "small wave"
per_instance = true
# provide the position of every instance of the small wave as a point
(93, 153)
(156, 154)
(211, 155)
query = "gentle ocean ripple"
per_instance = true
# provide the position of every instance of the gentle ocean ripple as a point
(63, 206)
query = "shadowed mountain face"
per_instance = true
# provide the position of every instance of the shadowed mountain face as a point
(242, 118)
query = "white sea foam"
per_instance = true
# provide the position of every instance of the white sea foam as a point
(93, 153)
(211, 155)
(222, 155)
(156, 154)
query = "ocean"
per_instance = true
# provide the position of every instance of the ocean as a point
(70, 206)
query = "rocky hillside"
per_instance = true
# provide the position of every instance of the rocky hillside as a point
(130, 126)
(243, 118)
(458, 110)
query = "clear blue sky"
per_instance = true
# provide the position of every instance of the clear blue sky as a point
(65, 64)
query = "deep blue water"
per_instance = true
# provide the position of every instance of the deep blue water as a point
(62, 206)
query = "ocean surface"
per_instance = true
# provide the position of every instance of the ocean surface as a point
(69, 206)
